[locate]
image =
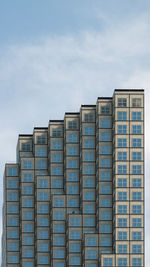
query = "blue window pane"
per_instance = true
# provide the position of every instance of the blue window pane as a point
(59, 215)
(122, 182)
(13, 259)
(72, 163)
(122, 235)
(75, 235)
(43, 222)
(12, 171)
(73, 202)
(122, 209)
(58, 183)
(28, 240)
(89, 143)
(43, 209)
(136, 116)
(105, 242)
(73, 177)
(27, 177)
(122, 222)
(13, 209)
(12, 184)
(43, 235)
(136, 222)
(122, 142)
(75, 260)
(72, 138)
(27, 190)
(75, 248)
(56, 145)
(136, 142)
(105, 137)
(43, 196)
(57, 171)
(136, 209)
(13, 246)
(89, 169)
(91, 255)
(89, 196)
(89, 130)
(122, 169)
(105, 123)
(136, 262)
(122, 116)
(122, 129)
(27, 164)
(13, 221)
(41, 152)
(43, 259)
(27, 203)
(122, 262)
(28, 253)
(89, 209)
(105, 176)
(108, 262)
(105, 163)
(91, 241)
(13, 234)
(59, 241)
(136, 129)
(73, 189)
(136, 169)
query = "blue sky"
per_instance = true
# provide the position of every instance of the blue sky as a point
(58, 54)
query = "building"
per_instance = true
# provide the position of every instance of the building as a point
(75, 197)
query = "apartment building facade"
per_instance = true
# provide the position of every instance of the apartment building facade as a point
(75, 196)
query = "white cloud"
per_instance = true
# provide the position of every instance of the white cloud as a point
(43, 80)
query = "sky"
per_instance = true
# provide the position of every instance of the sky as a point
(58, 54)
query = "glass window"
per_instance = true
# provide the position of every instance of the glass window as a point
(136, 169)
(41, 152)
(136, 129)
(122, 182)
(89, 222)
(105, 150)
(136, 209)
(91, 255)
(26, 147)
(12, 171)
(105, 215)
(122, 195)
(41, 140)
(122, 129)
(122, 262)
(13, 234)
(136, 142)
(27, 190)
(105, 123)
(105, 163)
(88, 169)
(73, 189)
(28, 215)
(56, 145)
(43, 196)
(59, 215)
(89, 209)
(56, 157)
(13, 246)
(27, 164)
(136, 235)
(75, 221)
(91, 241)
(89, 117)
(59, 228)
(57, 171)
(43, 235)
(59, 254)
(136, 116)
(75, 234)
(136, 182)
(72, 163)
(12, 196)
(89, 143)
(122, 169)
(136, 222)
(73, 202)
(73, 151)
(122, 235)
(13, 259)
(43, 222)
(89, 130)
(122, 155)
(28, 264)
(59, 241)
(89, 183)
(105, 176)
(122, 249)
(12, 184)
(43, 247)
(72, 125)
(122, 209)
(122, 115)
(89, 156)
(60, 264)
(105, 241)
(75, 260)
(72, 138)
(41, 165)
(108, 262)
(73, 177)
(28, 253)
(136, 249)
(28, 240)
(122, 102)
(105, 136)
(43, 209)
(122, 142)
(122, 222)
(13, 221)
(105, 229)
(59, 202)
(27, 177)
(57, 183)
(75, 247)
(105, 202)
(136, 156)
(105, 189)
(136, 102)
(43, 259)
(136, 195)
(136, 262)
(105, 109)
(89, 196)
(13, 209)
(28, 228)
(57, 132)
(43, 183)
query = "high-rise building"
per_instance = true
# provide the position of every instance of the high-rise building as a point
(75, 196)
